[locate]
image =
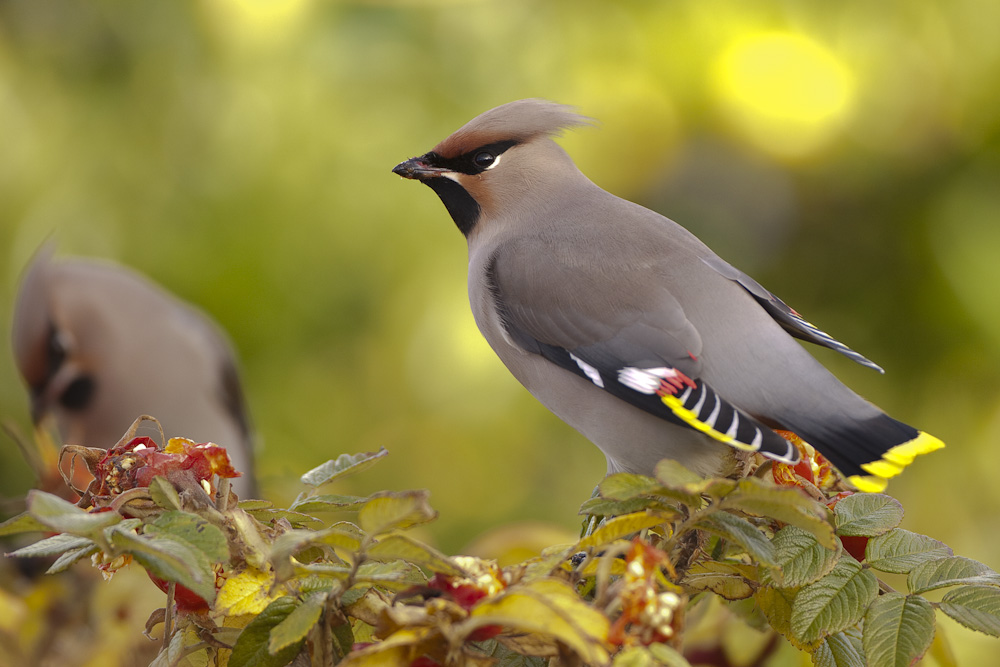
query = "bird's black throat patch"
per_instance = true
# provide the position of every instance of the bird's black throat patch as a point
(462, 207)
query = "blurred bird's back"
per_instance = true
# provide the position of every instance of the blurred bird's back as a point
(99, 345)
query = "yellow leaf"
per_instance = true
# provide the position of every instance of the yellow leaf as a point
(620, 526)
(248, 592)
(546, 606)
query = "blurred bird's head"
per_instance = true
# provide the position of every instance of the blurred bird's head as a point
(499, 163)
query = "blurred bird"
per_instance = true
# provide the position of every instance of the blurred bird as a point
(100, 345)
(628, 327)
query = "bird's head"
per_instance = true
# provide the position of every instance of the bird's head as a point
(45, 347)
(497, 161)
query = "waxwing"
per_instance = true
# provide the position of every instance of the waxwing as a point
(629, 328)
(99, 345)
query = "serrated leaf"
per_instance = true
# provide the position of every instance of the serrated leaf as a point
(327, 503)
(65, 517)
(671, 473)
(654, 655)
(620, 526)
(784, 504)
(727, 580)
(835, 602)
(549, 607)
(253, 504)
(975, 607)
(626, 486)
(776, 605)
(403, 547)
(345, 464)
(251, 649)
(867, 514)
(667, 656)
(70, 557)
(389, 510)
(248, 592)
(950, 571)
(608, 507)
(842, 649)
(800, 558)
(294, 628)
(164, 494)
(297, 519)
(899, 551)
(170, 559)
(396, 575)
(898, 630)
(53, 546)
(193, 529)
(22, 523)
(742, 532)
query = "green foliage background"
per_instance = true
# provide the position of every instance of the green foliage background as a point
(238, 151)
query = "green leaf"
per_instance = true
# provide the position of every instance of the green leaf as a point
(388, 510)
(396, 575)
(70, 557)
(742, 532)
(65, 517)
(192, 529)
(667, 656)
(800, 558)
(164, 494)
(833, 603)
(626, 486)
(327, 503)
(53, 546)
(620, 526)
(727, 580)
(671, 473)
(776, 605)
(22, 523)
(950, 571)
(170, 559)
(253, 504)
(975, 607)
(345, 464)
(898, 630)
(403, 547)
(297, 519)
(608, 507)
(867, 514)
(840, 650)
(899, 551)
(251, 649)
(654, 655)
(294, 627)
(786, 505)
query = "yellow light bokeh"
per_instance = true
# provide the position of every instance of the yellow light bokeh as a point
(784, 92)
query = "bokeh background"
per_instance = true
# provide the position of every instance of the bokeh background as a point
(846, 154)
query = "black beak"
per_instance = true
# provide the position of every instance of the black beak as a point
(417, 168)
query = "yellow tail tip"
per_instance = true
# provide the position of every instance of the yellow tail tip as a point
(893, 462)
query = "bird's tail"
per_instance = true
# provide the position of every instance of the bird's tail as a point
(870, 451)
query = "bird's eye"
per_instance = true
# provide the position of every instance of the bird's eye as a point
(484, 159)
(79, 393)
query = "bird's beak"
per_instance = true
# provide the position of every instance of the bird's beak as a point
(417, 168)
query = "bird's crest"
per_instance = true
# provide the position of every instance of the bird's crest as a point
(518, 121)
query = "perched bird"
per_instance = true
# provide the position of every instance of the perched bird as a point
(629, 328)
(99, 345)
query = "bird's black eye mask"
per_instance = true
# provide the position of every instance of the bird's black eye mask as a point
(474, 162)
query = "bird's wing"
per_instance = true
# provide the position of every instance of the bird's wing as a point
(786, 316)
(635, 342)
